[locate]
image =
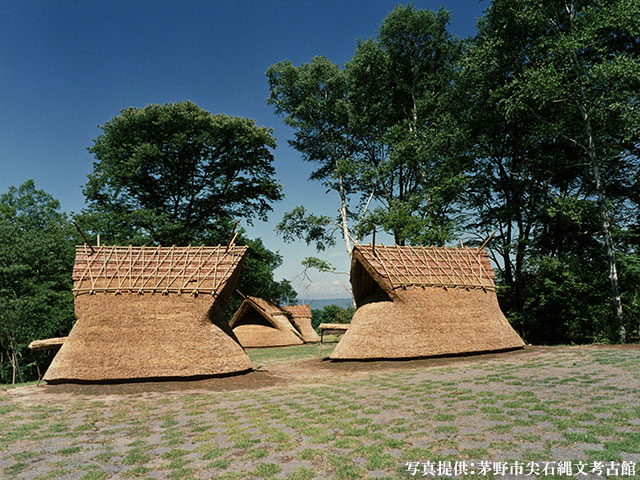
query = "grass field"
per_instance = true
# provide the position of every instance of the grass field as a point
(321, 420)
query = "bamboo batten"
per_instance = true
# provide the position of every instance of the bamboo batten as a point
(139, 270)
(404, 266)
(423, 301)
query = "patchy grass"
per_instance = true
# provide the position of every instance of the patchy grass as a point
(572, 404)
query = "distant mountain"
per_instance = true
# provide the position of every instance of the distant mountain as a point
(321, 303)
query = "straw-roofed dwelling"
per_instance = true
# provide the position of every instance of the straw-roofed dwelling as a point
(260, 323)
(301, 318)
(151, 313)
(423, 301)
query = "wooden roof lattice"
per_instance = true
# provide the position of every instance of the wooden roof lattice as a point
(455, 267)
(138, 270)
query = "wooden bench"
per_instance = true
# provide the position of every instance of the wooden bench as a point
(331, 328)
(46, 344)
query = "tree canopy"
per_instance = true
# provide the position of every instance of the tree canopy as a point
(374, 130)
(173, 173)
(529, 129)
(36, 260)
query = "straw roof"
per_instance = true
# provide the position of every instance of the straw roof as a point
(260, 323)
(301, 318)
(151, 313)
(394, 267)
(423, 301)
(300, 311)
(116, 269)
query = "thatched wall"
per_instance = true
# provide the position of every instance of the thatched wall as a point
(424, 322)
(301, 318)
(258, 323)
(129, 337)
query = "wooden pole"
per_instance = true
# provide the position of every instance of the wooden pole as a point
(487, 240)
(232, 237)
(84, 237)
(373, 241)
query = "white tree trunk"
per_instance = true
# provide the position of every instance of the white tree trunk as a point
(604, 215)
(344, 219)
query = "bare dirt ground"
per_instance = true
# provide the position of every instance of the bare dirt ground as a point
(281, 373)
(318, 419)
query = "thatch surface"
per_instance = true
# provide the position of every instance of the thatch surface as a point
(428, 322)
(125, 337)
(302, 311)
(260, 323)
(402, 266)
(47, 344)
(155, 269)
(301, 318)
(423, 301)
(151, 312)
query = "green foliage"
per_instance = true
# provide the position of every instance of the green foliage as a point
(551, 106)
(170, 173)
(316, 229)
(331, 314)
(318, 264)
(175, 174)
(36, 260)
(380, 128)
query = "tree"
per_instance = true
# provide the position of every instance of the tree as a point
(170, 173)
(257, 276)
(175, 174)
(581, 80)
(331, 314)
(555, 124)
(375, 131)
(36, 260)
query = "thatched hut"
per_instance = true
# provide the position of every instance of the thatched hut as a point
(423, 301)
(150, 313)
(260, 323)
(301, 318)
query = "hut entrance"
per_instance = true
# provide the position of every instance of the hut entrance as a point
(365, 288)
(252, 317)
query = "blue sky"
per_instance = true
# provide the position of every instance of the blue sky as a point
(68, 66)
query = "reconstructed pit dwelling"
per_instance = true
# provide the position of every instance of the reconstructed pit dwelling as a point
(151, 313)
(260, 323)
(301, 318)
(423, 301)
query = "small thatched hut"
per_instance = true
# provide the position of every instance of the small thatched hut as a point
(301, 318)
(423, 301)
(151, 313)
(260, 323)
